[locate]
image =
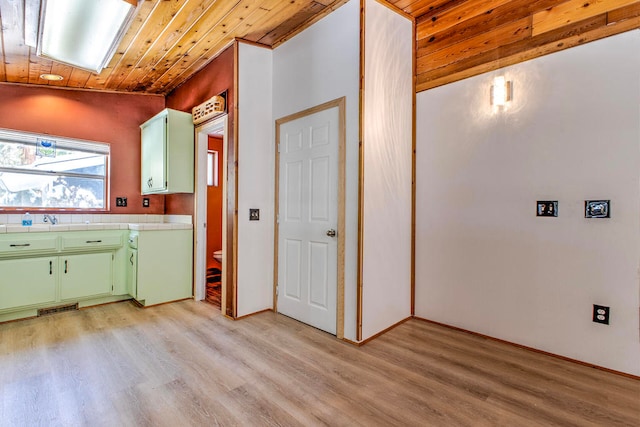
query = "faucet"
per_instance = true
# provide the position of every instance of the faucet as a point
(50, 218)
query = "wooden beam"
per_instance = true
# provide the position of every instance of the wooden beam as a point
(507, 34)
(573, 11)
(455, 16)
(523, 51)
(510, 12)
(628, 12)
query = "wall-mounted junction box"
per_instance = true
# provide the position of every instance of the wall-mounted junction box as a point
(597, 209)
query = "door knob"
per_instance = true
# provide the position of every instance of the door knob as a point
(331, 233)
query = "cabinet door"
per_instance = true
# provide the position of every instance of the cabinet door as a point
(27, 281)
(165, 266)
(85, 275)
(154, 143)
(132, 272)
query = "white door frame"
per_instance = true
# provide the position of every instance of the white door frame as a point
(340, 103)
(215, 126)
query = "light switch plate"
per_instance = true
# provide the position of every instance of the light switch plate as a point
(121, 202)
(547, 208)
(254, 214)
(597, 209)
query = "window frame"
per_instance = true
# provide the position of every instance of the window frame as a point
(80, 145)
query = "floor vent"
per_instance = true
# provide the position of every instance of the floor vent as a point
(58, 309)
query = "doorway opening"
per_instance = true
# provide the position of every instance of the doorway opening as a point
(211, 220)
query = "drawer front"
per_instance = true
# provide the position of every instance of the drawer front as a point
(89, 241)
(27, 244)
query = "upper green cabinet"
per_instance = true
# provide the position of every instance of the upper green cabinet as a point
(168, 153)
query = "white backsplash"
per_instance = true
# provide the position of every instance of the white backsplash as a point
(99, 218)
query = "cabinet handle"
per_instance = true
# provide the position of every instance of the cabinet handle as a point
(131, 259)
(150, 182)
(65, 266)
(24, 245)
(94, 241)
(50, 268)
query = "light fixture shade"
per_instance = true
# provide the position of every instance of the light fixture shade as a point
(83, 33)
(501, 91)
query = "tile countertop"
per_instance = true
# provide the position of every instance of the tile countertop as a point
(40, 228)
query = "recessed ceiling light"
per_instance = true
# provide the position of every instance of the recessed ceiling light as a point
(53, 77)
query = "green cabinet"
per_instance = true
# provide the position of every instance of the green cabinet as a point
(161, 266)
(45, 269)
(167, 152)
(132, 272)
(85, 275)
(26, 282)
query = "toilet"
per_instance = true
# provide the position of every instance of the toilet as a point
(217, 255)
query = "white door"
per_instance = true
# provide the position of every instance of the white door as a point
(308, 219)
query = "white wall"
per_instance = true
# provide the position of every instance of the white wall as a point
(318, 65)
(388, 145)
(256, 166)
(484, 261)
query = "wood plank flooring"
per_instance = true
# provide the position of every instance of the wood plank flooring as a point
(184, 364)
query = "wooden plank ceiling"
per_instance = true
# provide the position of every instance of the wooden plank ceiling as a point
(461, 38)
(170, 40)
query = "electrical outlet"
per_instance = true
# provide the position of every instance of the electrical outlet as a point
(121, 202)
(254, 214)
(601, 314)
(547, 208)
(145, 202)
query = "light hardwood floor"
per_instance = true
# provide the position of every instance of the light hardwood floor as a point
(184, 364)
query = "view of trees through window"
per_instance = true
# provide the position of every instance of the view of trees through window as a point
(51, 173)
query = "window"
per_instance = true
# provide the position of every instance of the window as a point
(43, 171)
(212, 168)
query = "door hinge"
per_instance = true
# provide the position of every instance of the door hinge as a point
(278, 147)
(278, 219)
(277, 290)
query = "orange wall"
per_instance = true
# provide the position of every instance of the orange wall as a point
(213, 79)
(104, 117)
(115, 118)
(214, 204)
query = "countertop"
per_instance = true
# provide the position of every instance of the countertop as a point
(43, 228)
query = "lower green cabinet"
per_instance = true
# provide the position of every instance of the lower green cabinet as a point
(160, 268)
(28, 281)
(85, 275)
(48, 269)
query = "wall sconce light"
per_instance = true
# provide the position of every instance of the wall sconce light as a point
(80, 33)
(501, 91)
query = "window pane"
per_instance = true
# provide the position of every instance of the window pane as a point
(51, 172)
(29, 190)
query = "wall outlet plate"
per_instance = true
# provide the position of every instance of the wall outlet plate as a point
(547, 208)
(597, 209)
(145, 202)
(121, 202)
(254, 214)
(601, 314)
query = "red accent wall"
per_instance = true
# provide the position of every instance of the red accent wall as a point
(213, 79)
(214, 204)
(97, 116)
